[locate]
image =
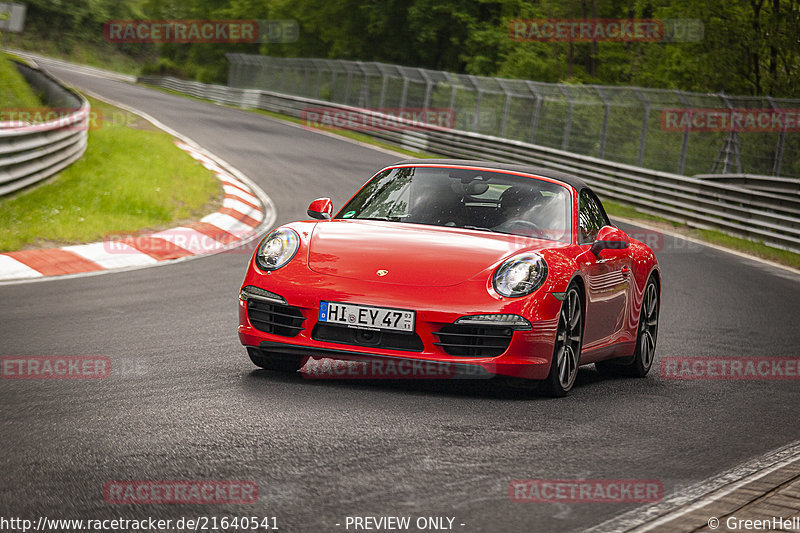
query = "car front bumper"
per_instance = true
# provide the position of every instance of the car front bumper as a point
(528, 355)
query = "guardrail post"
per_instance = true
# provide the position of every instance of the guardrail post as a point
(404, 94)
(776, 164)
(234, 70)
(384, 84)
(428, 88)
(536, 109)
(453, 89)
(645, 120)
(333, 84)
(298, 76)
(604, 131)
(477, 102)
(311, 89)
(568, 120)
(363, 94)
(506, 107)
(284, 79)
(685, 143)
(730, 146)
(347, 83)
(318, 68)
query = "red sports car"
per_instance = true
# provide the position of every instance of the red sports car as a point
(493, 268)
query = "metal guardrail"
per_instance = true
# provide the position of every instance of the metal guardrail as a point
(789, 186)
(745, 211)
(74, 67)
(31, 153)
(619, 123)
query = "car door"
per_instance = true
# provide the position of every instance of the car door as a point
(607, 277)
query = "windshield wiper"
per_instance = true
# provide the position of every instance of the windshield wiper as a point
(479, 228)
(385, 219)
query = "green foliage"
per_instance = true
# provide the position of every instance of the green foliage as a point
(749, 47)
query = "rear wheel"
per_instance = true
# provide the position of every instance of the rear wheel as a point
(644, 354)
(567, 350)
(274, 361)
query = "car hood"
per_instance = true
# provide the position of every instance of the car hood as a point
(412, 254)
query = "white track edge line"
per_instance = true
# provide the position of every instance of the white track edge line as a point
(701, 494)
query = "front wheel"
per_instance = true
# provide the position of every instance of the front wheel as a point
(645, 351)
(567, 349)
(275, 362)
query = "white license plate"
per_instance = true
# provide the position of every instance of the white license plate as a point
(367, 316)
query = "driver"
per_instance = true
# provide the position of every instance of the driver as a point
(515, 206)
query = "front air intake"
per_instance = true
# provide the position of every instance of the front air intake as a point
(274, 318)
(474, 341)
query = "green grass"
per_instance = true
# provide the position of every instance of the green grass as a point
(15, 92)
(758, 249)
(131, 178)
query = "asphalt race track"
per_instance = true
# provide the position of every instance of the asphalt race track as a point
(184, 402)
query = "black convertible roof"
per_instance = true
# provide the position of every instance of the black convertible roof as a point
(563, 177)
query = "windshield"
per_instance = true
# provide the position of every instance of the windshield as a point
(465, 198)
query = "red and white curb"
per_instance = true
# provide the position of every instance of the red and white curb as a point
(239, 220)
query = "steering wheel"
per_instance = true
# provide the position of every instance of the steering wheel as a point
(526, 224)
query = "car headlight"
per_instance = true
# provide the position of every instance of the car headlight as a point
(277, 249)
(520, 275)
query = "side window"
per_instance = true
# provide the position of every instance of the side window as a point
(591, 217)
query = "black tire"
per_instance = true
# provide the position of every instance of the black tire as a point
(644, 354)
(568, 344)
(275, 362)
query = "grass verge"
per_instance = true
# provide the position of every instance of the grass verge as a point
(132, 178)
(15, 92)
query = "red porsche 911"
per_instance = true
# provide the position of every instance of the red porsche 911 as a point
(499, 269)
